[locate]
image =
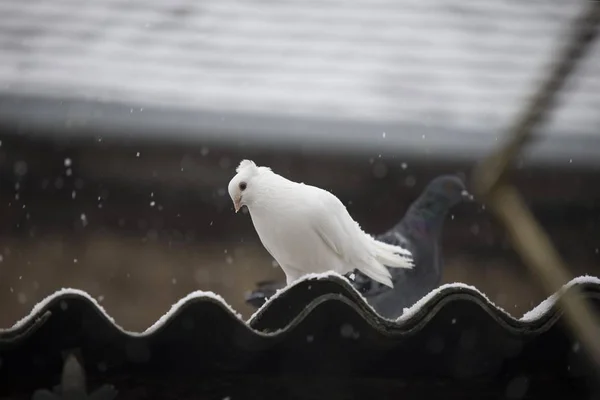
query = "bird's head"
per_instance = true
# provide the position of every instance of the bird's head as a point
(242, 187)
(449, 188)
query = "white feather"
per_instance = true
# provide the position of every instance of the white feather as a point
(308, 230)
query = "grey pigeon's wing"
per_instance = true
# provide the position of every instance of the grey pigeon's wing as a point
(410, 285)
(263, 291)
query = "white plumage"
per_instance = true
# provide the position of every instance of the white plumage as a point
(308, 230)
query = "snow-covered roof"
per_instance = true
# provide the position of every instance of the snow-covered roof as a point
(464, 65)
(454, 336)
(410, 314)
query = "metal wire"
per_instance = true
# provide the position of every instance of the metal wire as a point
(490, 184)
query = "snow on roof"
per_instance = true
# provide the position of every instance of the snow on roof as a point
(463, 64)
(47, 300)
(154, 327)
(194, 295)
(545, 306)
(409, 312)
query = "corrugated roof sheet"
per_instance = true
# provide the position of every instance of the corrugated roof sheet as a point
(464, 64)
(453, 342)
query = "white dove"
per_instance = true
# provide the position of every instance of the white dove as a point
(307, 229)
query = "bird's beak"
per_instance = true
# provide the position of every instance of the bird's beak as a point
(467, 196)
(237, 204)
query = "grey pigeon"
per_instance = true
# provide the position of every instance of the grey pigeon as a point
(264, 290)
(419, 232)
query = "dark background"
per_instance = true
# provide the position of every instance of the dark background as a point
(138, 257)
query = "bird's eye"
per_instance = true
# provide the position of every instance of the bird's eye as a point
(243, 185)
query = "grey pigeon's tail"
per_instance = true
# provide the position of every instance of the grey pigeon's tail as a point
(419, 231)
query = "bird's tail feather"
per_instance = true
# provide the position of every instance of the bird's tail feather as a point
(377, 272)
(392, 256)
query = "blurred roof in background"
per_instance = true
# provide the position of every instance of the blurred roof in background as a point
(427, 77)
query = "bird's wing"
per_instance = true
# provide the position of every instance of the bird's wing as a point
(333, 224)
(268, 250)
